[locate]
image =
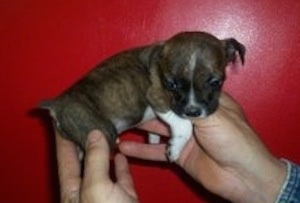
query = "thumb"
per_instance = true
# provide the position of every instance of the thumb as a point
(123, 175)
(96, 165)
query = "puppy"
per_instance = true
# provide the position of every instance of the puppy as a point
(175, 80)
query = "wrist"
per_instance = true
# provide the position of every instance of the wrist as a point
(264, 186)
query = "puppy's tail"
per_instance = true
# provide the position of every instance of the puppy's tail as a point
(46, 104)
(50, 106)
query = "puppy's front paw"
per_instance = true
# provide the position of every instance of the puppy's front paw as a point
(172, 153)
(181, 130)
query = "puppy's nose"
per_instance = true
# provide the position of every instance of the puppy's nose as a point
(193, 111)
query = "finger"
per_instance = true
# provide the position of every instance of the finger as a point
(228, 108)
(143, 151)
(228, 102)
(123, 175)
(97, 159)
(68, 169)
(155, 126)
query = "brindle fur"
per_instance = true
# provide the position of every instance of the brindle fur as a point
(123, 86)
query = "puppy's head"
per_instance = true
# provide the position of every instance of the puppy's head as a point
(192, 69)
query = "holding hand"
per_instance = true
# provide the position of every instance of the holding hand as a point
(225, 155)
(95, 186)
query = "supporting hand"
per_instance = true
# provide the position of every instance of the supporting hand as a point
(95, 186)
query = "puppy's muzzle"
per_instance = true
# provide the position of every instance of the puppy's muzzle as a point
(193, 111)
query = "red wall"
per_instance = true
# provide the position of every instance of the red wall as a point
(46, 45)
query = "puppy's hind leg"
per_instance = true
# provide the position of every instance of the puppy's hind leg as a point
(153, 138)
(74, 121)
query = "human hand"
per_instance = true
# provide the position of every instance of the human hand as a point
(95, 186)
(225, 155)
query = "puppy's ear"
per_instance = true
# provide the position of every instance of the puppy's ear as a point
(151, 54)
(232, 48)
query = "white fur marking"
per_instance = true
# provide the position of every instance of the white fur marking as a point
(153, 138)
(203, 113)
(192, 102)
(192, 66)
(192, 98)
(181, 130)
(148, 114)
(120, 125)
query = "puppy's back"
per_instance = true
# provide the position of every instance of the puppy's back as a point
(113, 91)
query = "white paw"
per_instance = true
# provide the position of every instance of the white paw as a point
(175, 147)
(172, 153)
(181, 131)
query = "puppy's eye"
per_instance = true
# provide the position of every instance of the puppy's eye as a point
(171, 85)
(215, 82)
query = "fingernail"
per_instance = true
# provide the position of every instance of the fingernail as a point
(118, 141)
(94, 136)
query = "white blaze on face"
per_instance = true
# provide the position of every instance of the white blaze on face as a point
(192, 66)
(192, 101)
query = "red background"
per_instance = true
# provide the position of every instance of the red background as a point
(46, 45)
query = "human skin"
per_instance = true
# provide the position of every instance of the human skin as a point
(95, 185)
(225, 155)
